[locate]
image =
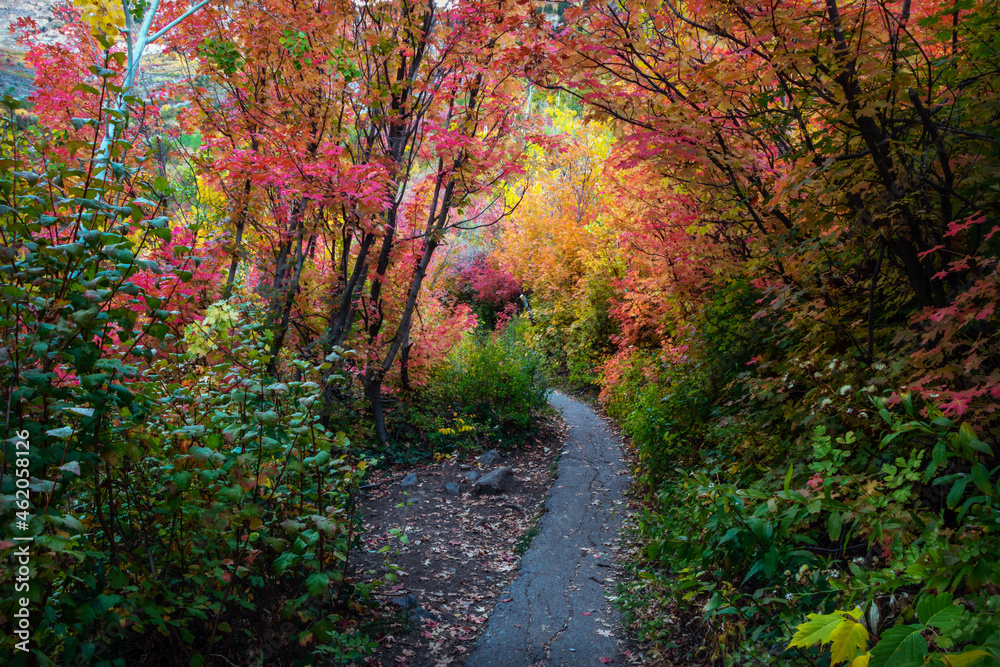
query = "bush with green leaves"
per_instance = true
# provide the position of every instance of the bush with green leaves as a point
(880, 526)
(178, 507)
(499, 381)
(663, 408)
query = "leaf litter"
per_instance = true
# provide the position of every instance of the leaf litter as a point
(460, 555)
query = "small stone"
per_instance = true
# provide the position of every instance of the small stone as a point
(494, 482)
(409, 480)
(420, 612)
(470, 476)
(406, 602)
(452, 489)
(464, 467)
(490, 457)
(410, 604)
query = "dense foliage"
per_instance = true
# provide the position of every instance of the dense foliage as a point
(766, 235)
(205, 313)
(802, 288)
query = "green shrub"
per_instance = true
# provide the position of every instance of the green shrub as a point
(576, 333)
(499, 382)
(663, 412)
(178, 507)
(848, 523)
(227, 512)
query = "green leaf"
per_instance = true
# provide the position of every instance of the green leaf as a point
(268, 418)
(900, 645)
(713, 603)
(64, 433)
(981, 478)
(182, 480)
(196, 431)
(324, 524)
(967, 438)
(788, 478)
(317, 584)
(834, 525)
(82, 87)
(957, 491)
(284, 561)
(770, 563)
(53, 542)
(78, 123)
(200, 454)
(817, 630)
(939, 611)
(292, 527)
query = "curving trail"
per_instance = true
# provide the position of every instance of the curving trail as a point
(557, 613)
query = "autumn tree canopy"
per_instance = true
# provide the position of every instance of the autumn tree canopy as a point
(250, 250)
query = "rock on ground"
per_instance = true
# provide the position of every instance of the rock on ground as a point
(497, 481)
(490, 458)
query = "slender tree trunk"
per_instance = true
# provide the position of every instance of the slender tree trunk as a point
(240, 219)
(401, 341)
(373, 392)
(285, 296)
(404, 366)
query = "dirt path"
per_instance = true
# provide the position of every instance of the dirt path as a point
(555, 612)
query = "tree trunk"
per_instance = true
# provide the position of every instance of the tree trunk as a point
(288, 291)
(404, 367)
(240, 218)
(373, 392)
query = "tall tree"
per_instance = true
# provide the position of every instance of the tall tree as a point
(370, 130)
(827, 149)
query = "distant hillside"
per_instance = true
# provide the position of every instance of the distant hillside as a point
(16, 79)
(39, 10)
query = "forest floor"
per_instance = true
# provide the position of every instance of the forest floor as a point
(461, 552)
(468, 556)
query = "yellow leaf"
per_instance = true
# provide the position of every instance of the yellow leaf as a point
(861, 660)
(102, 16)
(965, 659)
(849, 638)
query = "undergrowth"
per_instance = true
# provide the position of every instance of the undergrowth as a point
(489, 394)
